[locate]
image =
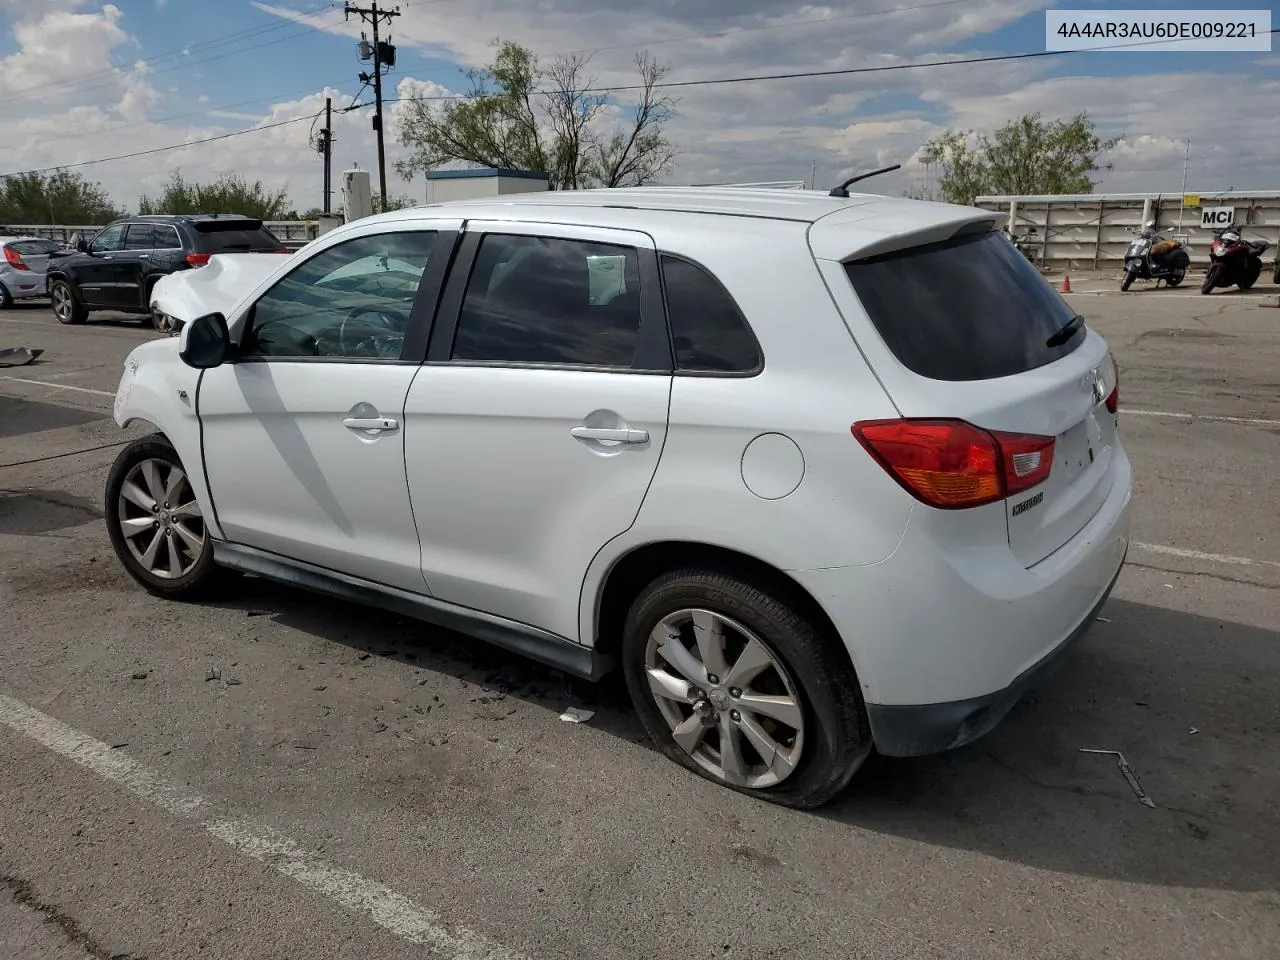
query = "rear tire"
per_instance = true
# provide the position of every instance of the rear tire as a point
(1251, 276)
(1211, 278)
(1175, 278)
(6, 298)
(156, 525)
(66, 305)
(1127, 282)
(816, 733)
(1275, 276)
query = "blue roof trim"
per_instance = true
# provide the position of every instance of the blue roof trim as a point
(487, 172)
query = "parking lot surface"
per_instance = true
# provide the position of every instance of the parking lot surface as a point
(283, 776)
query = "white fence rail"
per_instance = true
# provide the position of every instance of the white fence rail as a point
(1094, 229)
(292, 233)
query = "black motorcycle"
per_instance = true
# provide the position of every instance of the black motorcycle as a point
(1233, 260)
(1024, 243)
(1152, 257)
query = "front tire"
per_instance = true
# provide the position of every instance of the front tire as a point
(1211, 278)
(66, 306)
(1127, 282)
(156, 524)
(733, 683)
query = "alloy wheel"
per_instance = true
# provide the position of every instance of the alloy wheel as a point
(62, 305)
(727, 698)
(162, 523)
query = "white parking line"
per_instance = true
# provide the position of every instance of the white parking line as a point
(1250, 421)
(388, 909)
(30, 323)
(60, 386)
(1201, 555)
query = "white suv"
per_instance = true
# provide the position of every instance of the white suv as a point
(818, 474)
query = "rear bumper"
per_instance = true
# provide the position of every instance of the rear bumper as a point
(949, 632)
(912, 731)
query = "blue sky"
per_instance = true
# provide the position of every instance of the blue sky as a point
(184, 69)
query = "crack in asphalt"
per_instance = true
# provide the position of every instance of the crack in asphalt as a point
(1212, 576)
(24, 893)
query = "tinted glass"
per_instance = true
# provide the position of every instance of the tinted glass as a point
(167, 237)
(709, 332)
(140, 236)
(542, 300)
(34, 248)
(352, 300)
(231, 236)
(971, 308)
(108, 239)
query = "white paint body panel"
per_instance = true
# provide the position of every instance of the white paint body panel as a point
(516, 517)
(219, 286)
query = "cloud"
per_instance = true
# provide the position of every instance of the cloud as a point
(745, 132)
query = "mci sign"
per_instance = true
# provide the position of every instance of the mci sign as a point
(1217, 217)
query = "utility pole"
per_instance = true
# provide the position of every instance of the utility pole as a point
(381, 53)
(326, 151)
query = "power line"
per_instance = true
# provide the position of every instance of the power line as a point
(994, 58)
(153, 150)
(88, 81)
(888, 68)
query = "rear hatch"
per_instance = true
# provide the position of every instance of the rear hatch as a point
(235, 235)
(968, 329)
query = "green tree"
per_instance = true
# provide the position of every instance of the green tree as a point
(395, 203)
(229, 193)
(524, 115)
(59, 197)
(1029, 155)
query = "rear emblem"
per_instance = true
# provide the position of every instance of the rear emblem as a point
(1025, 505)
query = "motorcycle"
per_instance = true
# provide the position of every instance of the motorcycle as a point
(1024, 242)
(1233, 260)
(1152, 257)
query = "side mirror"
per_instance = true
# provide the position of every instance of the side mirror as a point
(206, 342)
(82, 244)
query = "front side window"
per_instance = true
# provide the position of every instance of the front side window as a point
(544, 300)
(108, 239)
(352, 300)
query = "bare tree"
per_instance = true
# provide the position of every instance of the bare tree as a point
(520, 114)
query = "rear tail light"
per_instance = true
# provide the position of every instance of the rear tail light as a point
(1113, 398)
(198, 259)
(951, 464)
(15, 259)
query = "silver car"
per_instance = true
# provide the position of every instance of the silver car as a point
(22, 268)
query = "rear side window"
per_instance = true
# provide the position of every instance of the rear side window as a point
(140, 236)
(33, 248)
(970, 308)
(549, 301)
(709, 332)
(235, 236)
(167, 238)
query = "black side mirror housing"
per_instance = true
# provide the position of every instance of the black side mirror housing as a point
(82, 244)
(207, 342)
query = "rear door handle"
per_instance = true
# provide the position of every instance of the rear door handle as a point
(371, 423)
(616, 434)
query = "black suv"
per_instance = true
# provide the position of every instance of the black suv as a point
(118, 267)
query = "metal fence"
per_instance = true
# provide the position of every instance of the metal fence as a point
(1094, 229)
(292, 233)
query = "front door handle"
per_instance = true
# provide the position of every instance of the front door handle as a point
(371, 423)
(616, 434)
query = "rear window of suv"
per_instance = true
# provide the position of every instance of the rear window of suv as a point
(969, 308)
(235, 236)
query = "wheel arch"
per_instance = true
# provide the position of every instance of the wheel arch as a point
(634, 570)
(152, 392)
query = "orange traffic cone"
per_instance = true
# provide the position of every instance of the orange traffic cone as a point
(1066, 283)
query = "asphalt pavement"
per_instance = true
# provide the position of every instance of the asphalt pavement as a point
(283, 776)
